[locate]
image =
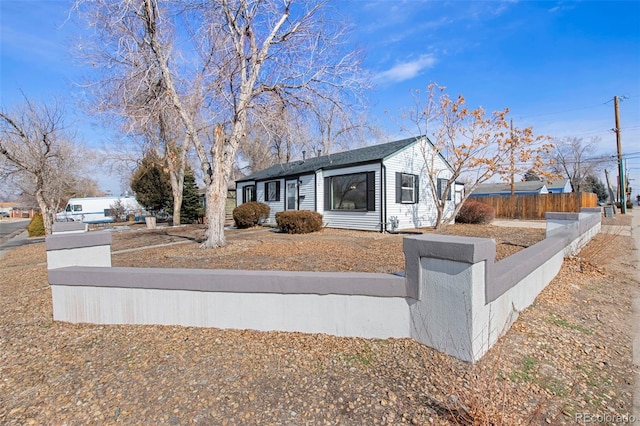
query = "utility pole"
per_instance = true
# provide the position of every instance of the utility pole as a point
(512, 162)
(622, 189)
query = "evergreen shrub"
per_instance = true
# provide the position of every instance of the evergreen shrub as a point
(250, 214)
(36, 226)
(475, 212)
(629, 205)
(299, 221)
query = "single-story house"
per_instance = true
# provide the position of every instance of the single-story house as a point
(559, 186)
(520, 188)
(378, 188)
(6, 209)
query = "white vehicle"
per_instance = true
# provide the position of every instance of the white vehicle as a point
(96, 209)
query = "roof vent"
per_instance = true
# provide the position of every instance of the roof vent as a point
(304, 155)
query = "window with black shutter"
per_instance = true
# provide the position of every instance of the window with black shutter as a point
(406, 188)
(352, 192)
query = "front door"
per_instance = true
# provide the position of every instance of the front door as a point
(249, 193)
(292, 195)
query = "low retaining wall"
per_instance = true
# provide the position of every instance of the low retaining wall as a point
(454, 297)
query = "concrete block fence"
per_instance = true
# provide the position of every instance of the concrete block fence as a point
(454, 297)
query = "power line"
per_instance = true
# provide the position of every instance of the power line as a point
(622, 98)
(602, 132)
(562, 112)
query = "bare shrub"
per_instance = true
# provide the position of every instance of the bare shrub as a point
(475, 212)
(602, 248)
(250, 214)
(299, 221)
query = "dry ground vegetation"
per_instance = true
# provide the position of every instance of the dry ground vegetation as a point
(567, 359)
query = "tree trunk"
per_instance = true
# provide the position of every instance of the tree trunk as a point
(48, 214)
(177, 184)
(177, 206)
(216, 196)
(439, 216)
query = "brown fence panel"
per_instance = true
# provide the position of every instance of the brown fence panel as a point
(534, 206)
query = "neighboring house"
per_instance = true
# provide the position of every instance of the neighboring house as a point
(520, 188)
(17, 211)
(378, 188)
(560, 186)
(6, 209)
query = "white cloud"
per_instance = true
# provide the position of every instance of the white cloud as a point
(561, 6)
(406, 70)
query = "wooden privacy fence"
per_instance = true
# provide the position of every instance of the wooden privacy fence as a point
(534, 206)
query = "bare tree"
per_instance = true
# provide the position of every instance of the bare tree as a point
(247, 53)
(134, 90)
(37, 154)
(324, 127)
(282, 134)
(475, 145)
(575, 159)
(171, 145)
(334, 127)
(274, 136)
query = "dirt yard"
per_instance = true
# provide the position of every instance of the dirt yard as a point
(262, 248)
(566, 359)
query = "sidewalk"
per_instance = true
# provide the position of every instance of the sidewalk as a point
(635, 234)
(539, 224)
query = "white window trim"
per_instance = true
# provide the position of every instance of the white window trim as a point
(412, 187)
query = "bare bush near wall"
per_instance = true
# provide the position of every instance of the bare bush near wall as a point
(598, 250)
(238, 55)
(39, 156)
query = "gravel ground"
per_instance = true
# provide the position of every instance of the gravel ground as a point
(262, 248)
(568, 355)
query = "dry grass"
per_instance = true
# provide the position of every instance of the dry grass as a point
(569, 353)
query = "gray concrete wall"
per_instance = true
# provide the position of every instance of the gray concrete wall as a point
(467, 301)
(69, 227)
(335, 314)
(78, 249)
(455, 297)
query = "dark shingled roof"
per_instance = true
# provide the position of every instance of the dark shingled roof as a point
(346, 158)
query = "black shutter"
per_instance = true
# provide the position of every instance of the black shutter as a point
(439, 189)
(254, 194)
(277, 190)
(398, 187)
(371, 191)
(327, 193)
(416, 190)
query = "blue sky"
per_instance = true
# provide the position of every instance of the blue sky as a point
(556, 65)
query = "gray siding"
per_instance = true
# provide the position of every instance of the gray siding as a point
(366, 221)
(275, 206)
(416, 159)
(306, 192)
